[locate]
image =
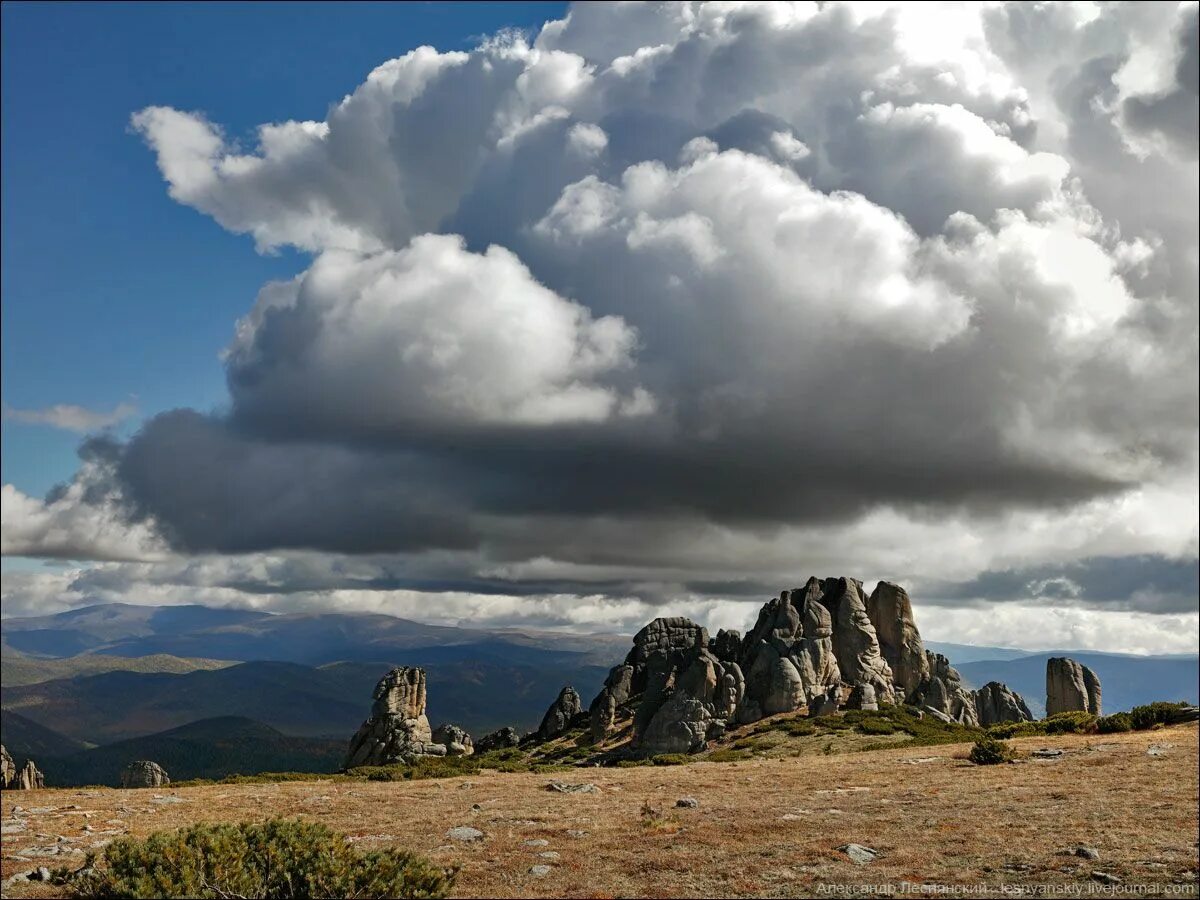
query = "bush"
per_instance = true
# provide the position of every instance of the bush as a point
(1016, 729)
(1156, 713)
(275, 859)
(670, 759)
(727, 755)
(1114, 723)
(988, 752)
(876, 726)
(1074, 722)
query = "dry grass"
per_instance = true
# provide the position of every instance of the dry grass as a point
(765, 827)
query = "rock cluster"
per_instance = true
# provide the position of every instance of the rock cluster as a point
(500, 739)
(1071, 686)
(456, 740)
(144, 773)
(26, 778)
(397, 729)
(825, 646)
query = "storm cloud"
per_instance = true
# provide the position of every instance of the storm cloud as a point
(670, 301)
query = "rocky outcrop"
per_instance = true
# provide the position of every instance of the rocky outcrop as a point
(603, 712)
(143, 773)
(855, 643)
(397, 729)
(943, 692)
(26, 778)
(1071, 686)
(824, 647)
(996, 703)
(560, 715)
(500, 739)
(891, 614)
(456, 740)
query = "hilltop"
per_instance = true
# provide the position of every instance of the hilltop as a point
(932, 816)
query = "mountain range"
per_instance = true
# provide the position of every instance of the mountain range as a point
(161, 682)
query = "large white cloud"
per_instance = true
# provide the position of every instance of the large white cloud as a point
(674, 298)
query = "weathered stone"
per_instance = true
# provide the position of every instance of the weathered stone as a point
(397, 729)
(996, 703)
(602, 714)
(456, 740)
(465, 834)
(26, 778)
(669, 639)
(826, 704)
(862, 696)
(680, 725)
(855, 644)
(687, 803)
(727, 645)
(144, 773)
(943, 691)
(1071, 686)
(859, 854)
(8, 768)
(500, 739)
(561, 713)
(540, 871)
(890, 611)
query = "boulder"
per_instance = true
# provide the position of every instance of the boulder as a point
(26, 778)
(1071, 686)
(890, 611)
(456, 740)
(727, 645)
(500, 739)
(680, 725)
(826, 704)
(862, 696)
(663, 644)
(144, 773)
(397, 730)
(996, 703)
(561, 713)
(8, 768)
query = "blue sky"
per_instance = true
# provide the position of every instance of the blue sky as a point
(113, 292)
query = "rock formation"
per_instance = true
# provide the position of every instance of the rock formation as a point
(26, 778)
(823, 647)
(144, 773)
(890, 612)
(1071, 686)
(500, 739)
(561, 713)
(996, 703)
(397, 729)
(456, 740)
(943, 692)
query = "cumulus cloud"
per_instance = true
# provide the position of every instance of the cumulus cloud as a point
(69, 417)
(675, 302)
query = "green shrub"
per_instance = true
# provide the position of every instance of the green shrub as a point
(1016, 729)
(876, 726)
(727, 755)
(1073, 722)
(1156, 713)
(670, 759)
(1114, 723)
(988, 752)
(275, 859)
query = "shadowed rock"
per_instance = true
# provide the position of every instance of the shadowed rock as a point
(144, 773)
(943, 691)
(996, 703)
(559, 716)
(500, 739)
(26, 778)
(1071, 686)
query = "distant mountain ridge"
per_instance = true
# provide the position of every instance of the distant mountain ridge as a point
(209, 748)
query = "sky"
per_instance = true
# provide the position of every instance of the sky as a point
(571, 316)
